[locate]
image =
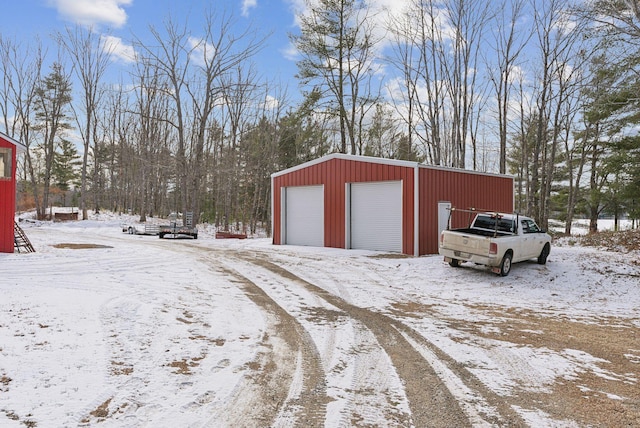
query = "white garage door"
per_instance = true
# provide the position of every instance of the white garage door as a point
(376, 216)
(304, 215)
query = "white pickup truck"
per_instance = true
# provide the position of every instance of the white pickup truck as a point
(496, 240)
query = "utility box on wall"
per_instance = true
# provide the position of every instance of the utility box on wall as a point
(9, 149)
(360, 202)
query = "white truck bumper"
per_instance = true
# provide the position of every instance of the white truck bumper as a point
(450, 255)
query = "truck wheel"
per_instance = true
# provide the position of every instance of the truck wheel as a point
(161, 235)
(505, 266)
(542, 258)
(131, 231)
(454, 263)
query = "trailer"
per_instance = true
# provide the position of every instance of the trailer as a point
(140, 229)
(174, 230)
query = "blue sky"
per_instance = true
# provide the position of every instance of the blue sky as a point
(27, 19)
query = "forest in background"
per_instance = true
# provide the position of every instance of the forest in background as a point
(545, 90)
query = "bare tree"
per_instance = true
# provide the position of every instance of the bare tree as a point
(337, 43)
(114, 122)
(194, 67)
(418, 40)
(559, 46)
(576, 150)
(90, 58)
(510, 43)
(520, 149)
(151, 111)
(259, 154)
(222, 58)
(172, 58)
(438, 45)
(468, 20)
(239, 94)
(21, 69)
(401, 57)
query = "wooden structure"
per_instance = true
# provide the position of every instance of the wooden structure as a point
(9, 149)
(72, 216)
(360, 202)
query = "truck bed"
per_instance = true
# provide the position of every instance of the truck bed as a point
(482, 232)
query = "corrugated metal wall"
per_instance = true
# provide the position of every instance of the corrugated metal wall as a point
(464, 189)
(7, 204)
(334, 174)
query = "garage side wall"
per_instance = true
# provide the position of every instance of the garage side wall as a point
(334, 174)
(464, 190)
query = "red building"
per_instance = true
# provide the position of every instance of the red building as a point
(9, 149)
(345, 201)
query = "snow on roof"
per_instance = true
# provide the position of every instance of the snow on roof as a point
(384, 161)
(21, 147)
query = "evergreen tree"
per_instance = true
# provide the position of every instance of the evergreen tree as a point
(301, 137)
(618, 109)
(65, 165)
(53, 97)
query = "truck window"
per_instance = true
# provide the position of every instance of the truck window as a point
(489, 223)
(529, 226)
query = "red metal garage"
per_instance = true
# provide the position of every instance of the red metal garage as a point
(8, 154)
(346, 201)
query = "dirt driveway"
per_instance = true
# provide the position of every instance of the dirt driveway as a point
(439, 389)
(245, 334)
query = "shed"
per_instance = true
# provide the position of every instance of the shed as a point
(361, 202)
(9, 149)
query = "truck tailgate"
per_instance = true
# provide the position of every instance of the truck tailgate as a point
(466, 243)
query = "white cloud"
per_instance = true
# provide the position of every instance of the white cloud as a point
(118, 49)
(271, 103)
(202, 52)
(290, 52)
(378, 15)
(93, 12)
(247, 5)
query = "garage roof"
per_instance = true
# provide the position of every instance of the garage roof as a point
(395, 162)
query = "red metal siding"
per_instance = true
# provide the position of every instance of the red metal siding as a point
(7, 203)
(464, 190)
(334, 174)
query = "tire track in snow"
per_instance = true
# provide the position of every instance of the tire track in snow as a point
(468, 389)
(271, 377)
(431, 400)
(362, 386)
(362, 381)
(430, 392)
(290, 384)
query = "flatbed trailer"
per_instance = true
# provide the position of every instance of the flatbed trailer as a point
(175, 231)
(186, 229)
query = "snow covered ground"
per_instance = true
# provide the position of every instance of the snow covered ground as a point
(125, 330)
